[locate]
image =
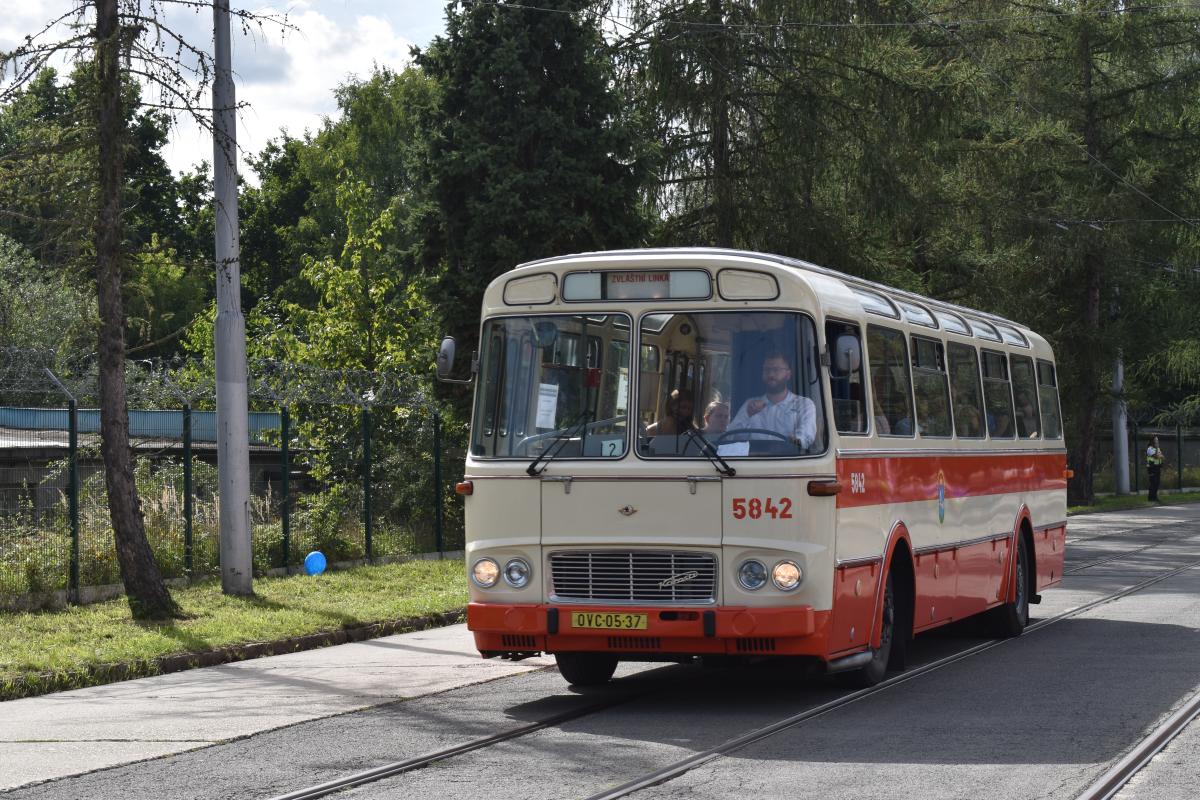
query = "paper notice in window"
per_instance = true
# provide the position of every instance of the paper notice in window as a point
(734, 449)
(547, 404)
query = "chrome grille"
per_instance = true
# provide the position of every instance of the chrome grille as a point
(638, 576)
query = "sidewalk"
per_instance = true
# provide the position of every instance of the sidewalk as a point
(88, 729)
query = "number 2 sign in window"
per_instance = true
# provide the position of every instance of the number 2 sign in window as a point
(760, 508)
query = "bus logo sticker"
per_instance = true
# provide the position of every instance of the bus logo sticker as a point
(675, 580)
(941, 484)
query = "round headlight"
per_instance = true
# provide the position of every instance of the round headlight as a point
(752, 575)
(787, 575)
(485, 573)
(516, 573)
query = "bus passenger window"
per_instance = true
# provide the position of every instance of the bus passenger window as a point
(891, 389)
(997, 395)
(965, 392)
(1025, 393)
(1048, 395)
(846, 377)
(931, 387)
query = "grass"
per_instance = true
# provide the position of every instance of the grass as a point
(49, 650)
(1127, 501)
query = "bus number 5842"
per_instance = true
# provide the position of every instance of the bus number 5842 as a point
(757, 508)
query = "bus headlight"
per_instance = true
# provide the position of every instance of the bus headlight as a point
(516, 573)
(787, 575)
(485, 573)
(752, 574)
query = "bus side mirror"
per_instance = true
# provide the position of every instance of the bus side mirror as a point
(445, 362)
(847, 354)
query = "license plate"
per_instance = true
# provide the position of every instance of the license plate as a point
(608, 621)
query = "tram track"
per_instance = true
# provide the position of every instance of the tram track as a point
(683, 766)
(1112, 781)
(395, 768)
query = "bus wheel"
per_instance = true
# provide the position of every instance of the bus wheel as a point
(874, 671)
(586, 669)
(1011, 618)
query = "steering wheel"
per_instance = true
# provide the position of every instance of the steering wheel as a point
(767, 431)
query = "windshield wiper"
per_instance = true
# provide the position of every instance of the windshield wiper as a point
(710, 452)
(560, 439)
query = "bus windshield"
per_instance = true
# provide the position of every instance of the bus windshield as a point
(747, 382)
(558, 382)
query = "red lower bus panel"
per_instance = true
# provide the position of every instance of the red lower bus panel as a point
(936, 601)
(747, 631)
(1049, 545)
(854, 590)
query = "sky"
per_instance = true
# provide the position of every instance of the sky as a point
(286, 77)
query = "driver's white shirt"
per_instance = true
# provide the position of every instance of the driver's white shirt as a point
(794, 417)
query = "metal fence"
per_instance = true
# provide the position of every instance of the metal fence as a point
(350, 463)
(1181, 453)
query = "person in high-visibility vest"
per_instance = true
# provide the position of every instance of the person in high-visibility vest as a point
(1154, 462)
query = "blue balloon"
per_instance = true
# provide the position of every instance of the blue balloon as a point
(314, 562)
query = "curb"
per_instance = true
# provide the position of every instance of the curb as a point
(100, 674)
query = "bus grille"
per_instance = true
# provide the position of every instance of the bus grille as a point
(634, 577)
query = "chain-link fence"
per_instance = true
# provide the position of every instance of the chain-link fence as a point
(351, 463)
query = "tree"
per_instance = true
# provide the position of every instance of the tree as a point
(529, 155)
(125, 43)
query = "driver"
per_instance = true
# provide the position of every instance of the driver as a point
(780, 410)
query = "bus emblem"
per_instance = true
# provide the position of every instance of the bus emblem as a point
(941, 484)
(675, 580)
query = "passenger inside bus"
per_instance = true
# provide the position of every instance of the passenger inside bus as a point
(716, 418)
(678, 418)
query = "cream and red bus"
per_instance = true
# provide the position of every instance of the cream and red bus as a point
(686, 453)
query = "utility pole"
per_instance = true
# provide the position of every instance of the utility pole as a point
(1120, 434)
(233, 437)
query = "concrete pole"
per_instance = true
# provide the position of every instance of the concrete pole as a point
(1119, 432)
(233, 436)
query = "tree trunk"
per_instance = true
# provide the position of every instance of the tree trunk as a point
(1081, 490)
(726, 210)
(144, 587)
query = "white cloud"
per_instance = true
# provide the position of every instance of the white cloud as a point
(286, 78)
(287, 81)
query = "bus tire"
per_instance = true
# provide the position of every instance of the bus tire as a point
(877, 668)
(1010, 619)
(586, 669)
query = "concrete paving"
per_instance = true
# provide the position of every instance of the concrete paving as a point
(72, 732)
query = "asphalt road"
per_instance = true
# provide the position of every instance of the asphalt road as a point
(1039, 716)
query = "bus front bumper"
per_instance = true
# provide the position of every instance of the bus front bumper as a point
(502, 629)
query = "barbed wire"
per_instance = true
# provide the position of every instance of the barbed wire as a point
(40, 376)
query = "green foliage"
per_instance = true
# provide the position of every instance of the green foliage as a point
(529, 156)
(42, 309)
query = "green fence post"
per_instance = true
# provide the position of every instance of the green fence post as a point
(366, 479)
(285, 510)
(189, 564)
(73, 494)
(437, 481)
(72, 484)
(1179, 457)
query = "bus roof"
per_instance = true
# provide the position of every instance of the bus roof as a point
(851, 281)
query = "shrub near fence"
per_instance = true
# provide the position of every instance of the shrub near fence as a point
(352, 464)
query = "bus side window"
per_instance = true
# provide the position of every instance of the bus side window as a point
(1048, 395)
(846, 377)
(931, 387)
(891, 387)
(997, 395)
(965, 392)
(1025, 393)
